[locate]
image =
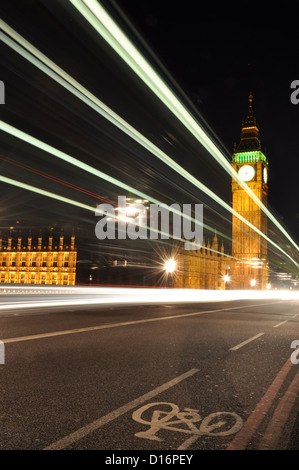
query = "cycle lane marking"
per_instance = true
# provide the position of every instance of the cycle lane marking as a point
(98, 423)
(183, 421)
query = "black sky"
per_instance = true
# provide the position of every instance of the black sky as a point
(218, 52)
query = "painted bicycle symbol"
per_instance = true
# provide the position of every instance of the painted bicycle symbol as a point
(163, 415)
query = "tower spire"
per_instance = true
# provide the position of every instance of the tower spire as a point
(250, 133)
(250, 119)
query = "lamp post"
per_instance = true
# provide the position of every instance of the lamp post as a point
(170, 267)
(226, 279)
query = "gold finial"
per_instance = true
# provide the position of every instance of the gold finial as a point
(250, 103)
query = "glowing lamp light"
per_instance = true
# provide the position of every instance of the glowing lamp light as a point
(226, 278)
(269, 286)
(170, 265)
(253, 282)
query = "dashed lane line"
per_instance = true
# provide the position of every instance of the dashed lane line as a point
(258, 335)
(281, 323)
(240, 345)
(116, 325)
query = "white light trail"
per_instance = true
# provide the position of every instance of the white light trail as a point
(64, 79)
(43, 192)
(94, 171)
(83, 166)
(42, 62)
(66, 200)
(77, 296)
(102, 22)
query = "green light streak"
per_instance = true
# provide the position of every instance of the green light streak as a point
(66, 200)
(57, 74)
(94, 171)
(43, 192)
(83, 166)
(95, 14)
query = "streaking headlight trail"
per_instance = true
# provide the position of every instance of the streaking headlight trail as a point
(73, 161)
(83, 166)
(56, 73)
(66, 200)
(26, 297)
(102, 22)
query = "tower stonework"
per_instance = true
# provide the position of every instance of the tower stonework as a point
(249, 248)
(246, 266)
(203, 268)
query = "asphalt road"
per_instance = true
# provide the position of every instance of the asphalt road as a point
(202, 376)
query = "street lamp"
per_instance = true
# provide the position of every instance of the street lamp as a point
(226, 279)
(269, 286)
(253, 282)
(170, 266)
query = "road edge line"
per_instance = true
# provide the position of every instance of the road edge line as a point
(280, 417)
(249, 428)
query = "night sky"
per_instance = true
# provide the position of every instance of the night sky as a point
(213, 56)
(218, 54)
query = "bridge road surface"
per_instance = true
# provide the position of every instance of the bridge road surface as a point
(202, 376)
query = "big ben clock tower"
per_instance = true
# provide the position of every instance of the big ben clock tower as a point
(249, 248)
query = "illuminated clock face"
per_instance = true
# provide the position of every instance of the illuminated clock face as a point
(246, 172)
(265, 175)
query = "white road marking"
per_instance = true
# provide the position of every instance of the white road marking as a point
(116, 325)
(183, 421)
(281, 323)
(246, 342)
(85, 430)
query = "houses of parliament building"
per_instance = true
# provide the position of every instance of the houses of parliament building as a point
(41, 261)
(246, 267)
